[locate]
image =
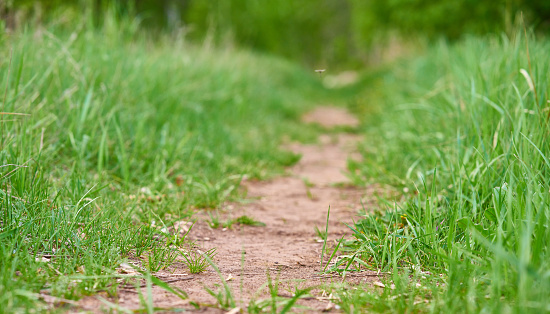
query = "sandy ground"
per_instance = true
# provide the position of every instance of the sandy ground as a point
(287, 247)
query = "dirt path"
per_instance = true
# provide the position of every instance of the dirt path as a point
(287, 247)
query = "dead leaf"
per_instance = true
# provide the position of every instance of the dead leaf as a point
(379, 284)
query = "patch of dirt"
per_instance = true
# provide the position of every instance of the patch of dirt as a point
(287, 247)
(330, 117)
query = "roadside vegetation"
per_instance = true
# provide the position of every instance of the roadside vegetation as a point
(108, 137)
(110, 134)
(462, 136)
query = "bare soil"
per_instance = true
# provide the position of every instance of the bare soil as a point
(330, 117)
(287, 247)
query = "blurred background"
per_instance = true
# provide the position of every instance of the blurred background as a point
(317, 33)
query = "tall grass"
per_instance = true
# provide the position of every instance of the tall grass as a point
(463, 133)
(124, 134)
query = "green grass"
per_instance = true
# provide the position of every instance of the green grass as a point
(125, 134)
(463, 134)
(248, 221)
(195, 260)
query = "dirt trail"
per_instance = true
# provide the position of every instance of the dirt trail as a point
(291, 207)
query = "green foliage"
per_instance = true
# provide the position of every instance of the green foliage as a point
(464, 133)
(307, 30)
(224, 296)
(197, 261)
(431, 18)
(277, 303)
(249, 221)
(214, 221)
(331, 32)
(124, 135)
(317, 33)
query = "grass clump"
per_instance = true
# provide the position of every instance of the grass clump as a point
(197, 261)
(463, 132)
(249, 221)
(215, 223)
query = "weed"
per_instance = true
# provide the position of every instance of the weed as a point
(228, 223)
(320, 233)
(160, 257)
(175, 238)
(276, 303)
(334, 251)
(246, 220)
(224, 295)
(325, 238)
(308, 186)
(214, 221)
(225, 300)
(197, 261)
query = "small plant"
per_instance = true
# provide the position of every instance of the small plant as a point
(276, 303)
(214, 221)
(197, 261)
(146, 299)
(325, 238)
(160, 258)
(228, 224)
(320, 233)
(334, 251)
(249, 221)
(224, 295)
(308, 184)
(224, 299)
(175, 238)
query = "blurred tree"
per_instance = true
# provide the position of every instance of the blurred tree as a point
(317, 32)
(444, 18)
(311, 30)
